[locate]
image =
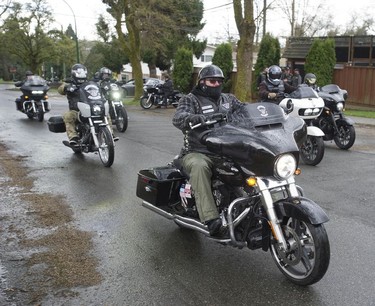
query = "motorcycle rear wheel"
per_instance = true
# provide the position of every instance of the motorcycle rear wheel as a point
(106, 146)
(345, 137)
(146, 102)
(307, 259)
(121, 119)
(312, 150)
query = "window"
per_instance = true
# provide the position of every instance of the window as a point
(206, 58)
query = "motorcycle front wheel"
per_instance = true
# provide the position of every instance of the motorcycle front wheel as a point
(40, 114)
(312, 150)
(345, 137)
(308, 255)
(121, 119)
(146, 102)
(106, 146)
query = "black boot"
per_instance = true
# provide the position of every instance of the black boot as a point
(214, 226)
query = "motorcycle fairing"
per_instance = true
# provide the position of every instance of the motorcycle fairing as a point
(89, 96)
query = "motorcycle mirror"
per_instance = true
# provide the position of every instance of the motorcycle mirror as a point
(289, 106)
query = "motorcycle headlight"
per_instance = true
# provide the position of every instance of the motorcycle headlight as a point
(37, 92)
(116, 95)
(96, 110)
(340, 106)
(285, 166)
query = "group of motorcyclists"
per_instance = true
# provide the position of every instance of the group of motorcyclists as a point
(205, 100)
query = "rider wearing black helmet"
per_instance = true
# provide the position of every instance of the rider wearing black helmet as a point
(273, 87)
(78, 76)
(203, 101)
(310, 80)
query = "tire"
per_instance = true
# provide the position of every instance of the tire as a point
(40, 114)
(146, 102)
(30, 116)
(307, 260)
(345, 137)
(106, 146)
(312, 150)
(121, 119)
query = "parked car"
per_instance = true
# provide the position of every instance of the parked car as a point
(129, 86)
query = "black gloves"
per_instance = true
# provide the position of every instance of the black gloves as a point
(195, 119)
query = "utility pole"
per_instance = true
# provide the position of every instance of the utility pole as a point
(75, 29)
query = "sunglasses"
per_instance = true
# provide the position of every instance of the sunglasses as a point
(214, 81)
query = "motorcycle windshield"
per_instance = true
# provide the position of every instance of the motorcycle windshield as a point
(304, 92)
(256, 136)
(35, 83)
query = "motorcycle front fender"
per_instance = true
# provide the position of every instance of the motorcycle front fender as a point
(314, 131)
(302, 209)
(345, 121)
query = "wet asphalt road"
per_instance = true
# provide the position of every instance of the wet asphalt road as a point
(147, 260)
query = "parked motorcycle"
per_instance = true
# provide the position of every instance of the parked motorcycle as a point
(33, 101)
(153, 96)
(332, 120)
(306, 104)
(256, 157)
(92, 128)
(114, 93)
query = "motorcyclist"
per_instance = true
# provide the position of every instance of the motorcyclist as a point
(71, 90)
(310, 80)
(166, 89)
(20, 100)
(272, 89)
(202, 102)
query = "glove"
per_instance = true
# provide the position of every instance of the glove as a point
(272, 95)
(196, 119)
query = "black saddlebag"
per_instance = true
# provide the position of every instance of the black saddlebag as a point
(159, 186)
(56, 124)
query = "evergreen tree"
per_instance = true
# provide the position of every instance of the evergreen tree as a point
(223, 59)
(321, 60)
(183, 69)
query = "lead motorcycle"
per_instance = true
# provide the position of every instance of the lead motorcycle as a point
(256, 156)
(153, 96)
(114, 94)
(92, 127)
(306, 104)
(34, 100)
(332, 120)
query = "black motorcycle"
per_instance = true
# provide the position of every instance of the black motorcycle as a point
(114, 94)
(153, 95)
(332, 121)
(256, 154)
(92, 127)
(33, 101)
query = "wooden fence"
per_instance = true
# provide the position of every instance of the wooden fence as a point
(360, 84)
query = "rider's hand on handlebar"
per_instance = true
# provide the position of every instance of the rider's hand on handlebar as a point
(196, 119)
(272, 95)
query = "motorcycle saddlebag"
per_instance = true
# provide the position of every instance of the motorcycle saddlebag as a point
(159, 186)
(56, 124)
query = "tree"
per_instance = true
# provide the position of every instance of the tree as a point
(183, 69)
(223, 59)
(244, 17)
(26, 37)
(321, 60)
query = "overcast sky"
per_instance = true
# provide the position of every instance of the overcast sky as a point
(218, 16)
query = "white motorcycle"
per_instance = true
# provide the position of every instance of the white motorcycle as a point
(306, 104)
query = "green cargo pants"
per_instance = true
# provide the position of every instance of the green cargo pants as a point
(198, 166)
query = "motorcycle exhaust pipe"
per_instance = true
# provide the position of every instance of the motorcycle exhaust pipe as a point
(157, 210)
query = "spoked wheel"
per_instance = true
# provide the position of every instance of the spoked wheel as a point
(312, 150)
(307, 258)
(345, 137)
(106, 147)
(121, 119)
(40, 114)
(146, 102)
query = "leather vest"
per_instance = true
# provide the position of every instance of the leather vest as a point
(275, 88)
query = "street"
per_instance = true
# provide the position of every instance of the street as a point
(129, 255)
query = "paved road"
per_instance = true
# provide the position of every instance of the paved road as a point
(147, 260)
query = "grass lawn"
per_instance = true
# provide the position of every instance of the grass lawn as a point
(360, 113)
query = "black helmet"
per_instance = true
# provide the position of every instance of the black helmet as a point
(274, 75)
(28, 73)
(79, 73)
(210, 71)
(105, 73)
(310, 79)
